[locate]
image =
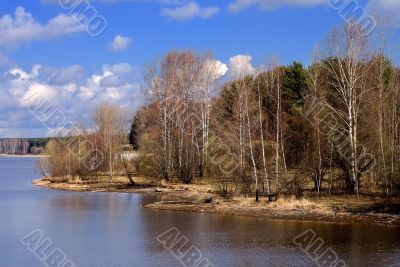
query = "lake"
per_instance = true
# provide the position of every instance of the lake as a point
(112, 229)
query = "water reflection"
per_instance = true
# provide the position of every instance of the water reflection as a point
(109, 229)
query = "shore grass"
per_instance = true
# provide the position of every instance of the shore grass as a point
(202, 197)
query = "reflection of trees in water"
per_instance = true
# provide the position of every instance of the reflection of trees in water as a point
(118, 222)
(107, 206)
(216, 233)
(253, 242)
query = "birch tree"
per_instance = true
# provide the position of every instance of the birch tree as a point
(112, 128)
(347, 62)
(264, 161)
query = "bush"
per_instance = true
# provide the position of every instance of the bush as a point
(295, 187)
(225, 188)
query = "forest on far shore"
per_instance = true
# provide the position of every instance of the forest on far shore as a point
(23, 146)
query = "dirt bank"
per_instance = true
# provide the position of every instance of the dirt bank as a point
(200, 198)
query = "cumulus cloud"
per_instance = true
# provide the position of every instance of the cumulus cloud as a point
(239, 5)
(68, 89)
(23, 28)
(120, 43)
(214, 69)
(240, 66)
(120, 68)
(38, 92)
(62, 76)
(190, 11)
(113, 84)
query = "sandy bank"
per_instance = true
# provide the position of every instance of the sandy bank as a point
(200, 198)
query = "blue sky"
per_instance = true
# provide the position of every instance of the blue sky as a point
(43, 49)
(289, 33)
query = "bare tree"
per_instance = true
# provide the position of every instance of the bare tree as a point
(111, 123)
(260, 117)
(347, 63)
(180, 86)
(317, 165)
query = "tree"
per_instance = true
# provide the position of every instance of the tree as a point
(133, 134)
(264, 162)
(317, 150)
(129, 165)
(272, 83)
(179, 92)
(295, 86)
(347, 62)
(111, 128)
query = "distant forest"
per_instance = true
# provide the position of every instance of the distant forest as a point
(20, 146)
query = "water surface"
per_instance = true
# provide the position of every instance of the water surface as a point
(111, 229)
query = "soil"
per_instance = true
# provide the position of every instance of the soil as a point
(202, 198)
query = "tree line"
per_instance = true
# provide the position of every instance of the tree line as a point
(330, 128)
(21, 146)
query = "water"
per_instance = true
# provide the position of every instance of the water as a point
(110, 229)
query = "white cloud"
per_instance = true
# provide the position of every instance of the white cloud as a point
(38, 92)
(19, 74)
(120, 43)
(385, 9)
(62, 76)
(215, 69)
(120, 68)
(23, 28)
(114, 83)
(68, 89)
(387, 5)
(239, 5)
(240, 66)
(190, 11)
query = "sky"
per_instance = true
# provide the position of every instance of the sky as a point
(76, 62)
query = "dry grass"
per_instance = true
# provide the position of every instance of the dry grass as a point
(281, 205)
(195, 188)
(201, 197)
(299, 204)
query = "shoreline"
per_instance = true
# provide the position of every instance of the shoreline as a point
(196, 198)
